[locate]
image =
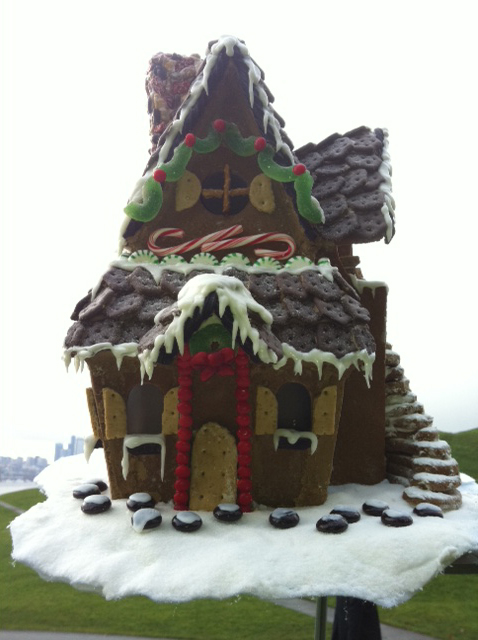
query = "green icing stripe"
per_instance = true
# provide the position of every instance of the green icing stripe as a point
(208, 144)
(152, 201)
(153, 195)
(243, 147)
(308, 207)
(175, 168)
(272, 169)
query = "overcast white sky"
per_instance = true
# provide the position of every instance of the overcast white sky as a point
(75, 139)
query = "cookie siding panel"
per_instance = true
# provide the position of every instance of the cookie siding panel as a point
(213, 468)
(90, 398)
(323, 421)
(115, 414)
(266, 412)
(170, 412)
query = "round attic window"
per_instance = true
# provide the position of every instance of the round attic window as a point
(224, 193)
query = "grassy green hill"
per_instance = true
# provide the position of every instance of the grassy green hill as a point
(464, 447)
(444, 609)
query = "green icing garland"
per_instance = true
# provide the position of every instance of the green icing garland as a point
(173, 170)
(152, 201)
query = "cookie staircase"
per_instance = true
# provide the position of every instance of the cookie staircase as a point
(416, 457)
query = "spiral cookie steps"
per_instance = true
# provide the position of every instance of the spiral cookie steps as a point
(416, 457)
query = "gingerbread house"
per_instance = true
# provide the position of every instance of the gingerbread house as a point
(236, 352)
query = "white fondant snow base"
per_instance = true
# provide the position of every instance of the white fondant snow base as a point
(104, 553)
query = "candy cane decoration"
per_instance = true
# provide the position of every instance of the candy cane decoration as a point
(196, 243)
(232, 243)
(222, 240)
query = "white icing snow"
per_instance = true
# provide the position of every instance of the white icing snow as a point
(89, 445)
(360, 284)
(233, 295)
(292, 436)
(140, 519)
(370, 561)
(377, 504)
(137, 440)
(227, 506)
(81, 354)
(87, 486)
(280, 512)
(140, 497)
(240, 301)
(427, 506)
(385, 170)
(319, 358)
(96, 499)
(394, 513)
(188, 517)
(200, 85)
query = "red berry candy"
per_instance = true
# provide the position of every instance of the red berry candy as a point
(159, 175)
(190, 140)
(299, 169)
(219, 125)
(260, 144)
(245, 499)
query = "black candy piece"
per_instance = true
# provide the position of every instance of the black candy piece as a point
(84, 490)
(331, 523)
(95, 504)
(392, 518)
(146, 519)
(284, 518)
(427, 509)
(138, 501)
(349, 513)
(186, 521)
(102, 486)
(374, 507)
(227, 512)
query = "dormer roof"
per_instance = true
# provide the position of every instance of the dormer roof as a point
(350, 174)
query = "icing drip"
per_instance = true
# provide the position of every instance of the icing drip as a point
(231, 294)
(200, 85)
(319, 358)
(119, 351)
(385, 170)
(138, 440)
(90, 443)
(292, 436)
(360, 284)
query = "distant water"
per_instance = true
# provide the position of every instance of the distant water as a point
(10, 486)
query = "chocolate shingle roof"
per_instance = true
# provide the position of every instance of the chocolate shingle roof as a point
(352, 183)
(312, 315)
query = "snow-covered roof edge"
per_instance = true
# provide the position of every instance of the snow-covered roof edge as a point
(229, 45)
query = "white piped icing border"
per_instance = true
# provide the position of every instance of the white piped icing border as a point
(292, 436)
(234, 295)
(137, 440)
(385, 170)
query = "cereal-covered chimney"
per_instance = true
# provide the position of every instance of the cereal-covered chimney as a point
(167, 84)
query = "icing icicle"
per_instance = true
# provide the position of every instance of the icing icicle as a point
(138, 440)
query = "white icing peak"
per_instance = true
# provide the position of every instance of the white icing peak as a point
(229, 44)
(233, 295)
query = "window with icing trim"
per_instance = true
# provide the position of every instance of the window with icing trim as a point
(294, 415)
